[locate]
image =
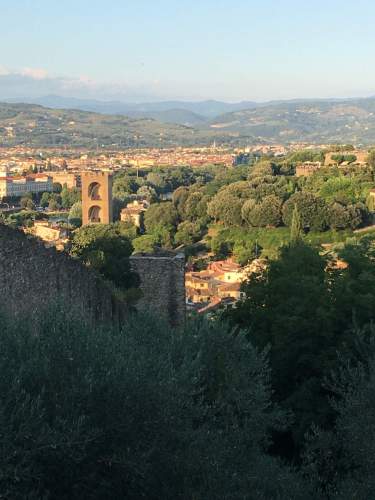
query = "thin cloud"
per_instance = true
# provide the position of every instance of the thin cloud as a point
(30, 83)
(35, 73)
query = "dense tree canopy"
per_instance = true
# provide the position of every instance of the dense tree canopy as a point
(312, 210)
(161, 214)
(106, 248)
(146, 412)
(306, 310)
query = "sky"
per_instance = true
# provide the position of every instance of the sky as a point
(146, 50)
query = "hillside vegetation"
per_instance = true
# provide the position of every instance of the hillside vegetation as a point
(351, 121)
(321, 121)
(32, 125)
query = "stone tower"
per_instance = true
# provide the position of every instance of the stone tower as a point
(162, 283)
(96, 197)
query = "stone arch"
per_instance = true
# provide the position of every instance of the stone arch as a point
(94, 191)
(94, 214)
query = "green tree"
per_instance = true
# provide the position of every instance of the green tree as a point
(145, 412)
(160, 214)
(105, 248)
(27, 203)
(188, 233)
(266, 213)
(75, 214)
(147, 193)
(341, 217)
(225, 208)
(289, 307)
(312, 209)
(296, 226)
(195, 206)
(340, 461)
(124, 186)
(262, 168)
(352, 288)
(148, 243)
(53, 205)
(44, 200)
(179, 197)
(69, 196)
(246, 250)
(157, 181)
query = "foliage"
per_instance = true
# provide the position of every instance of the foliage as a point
(341, 158)
(194, 206)
(342, 189)
(147, 193)
(147, 243)
(143, 413)
(306, 155)
(69, 196)
(44, 200)
(160, 214)
(226, 208)
(75, 214)
(340, 461)
(106, 248)
(26, 202)
(265, 213)
(267, 240)
(24, 218)
(123, 186)
(312, 210)
(306, 310)
(296, 231)
(188, 233)
(288, 306)
(246, 250)
(341, 216)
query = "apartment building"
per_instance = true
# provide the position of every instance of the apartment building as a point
(18, 186)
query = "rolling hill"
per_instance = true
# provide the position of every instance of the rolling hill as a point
(321, 121)
(32, 125)
(310, 121)
(182, 112)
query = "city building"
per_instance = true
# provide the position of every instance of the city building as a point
(133, 212)
(18, 186)
(219, 284)
(52, 235)
(307, 168)
(70, 179)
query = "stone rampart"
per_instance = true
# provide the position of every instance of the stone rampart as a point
(162, 282)
(32, 277)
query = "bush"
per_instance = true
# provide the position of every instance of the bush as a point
(145, 412)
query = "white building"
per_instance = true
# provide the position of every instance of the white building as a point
(18, 186)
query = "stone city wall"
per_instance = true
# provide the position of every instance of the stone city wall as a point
(162, 282)
(32, 277)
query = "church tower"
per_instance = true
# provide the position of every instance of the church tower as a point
(96, 197)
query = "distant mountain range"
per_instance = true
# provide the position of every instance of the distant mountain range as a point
(38, 126)
(181, 112)
(87, 123)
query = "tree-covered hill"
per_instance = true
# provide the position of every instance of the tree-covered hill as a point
(32, 125)
(320, 121)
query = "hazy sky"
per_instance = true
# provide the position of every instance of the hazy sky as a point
(164, 49)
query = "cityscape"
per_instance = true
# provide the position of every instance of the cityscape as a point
(187, 250)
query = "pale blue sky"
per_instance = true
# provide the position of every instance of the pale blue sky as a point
(233, 50)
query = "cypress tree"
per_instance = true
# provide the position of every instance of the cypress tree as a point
(296, 225)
